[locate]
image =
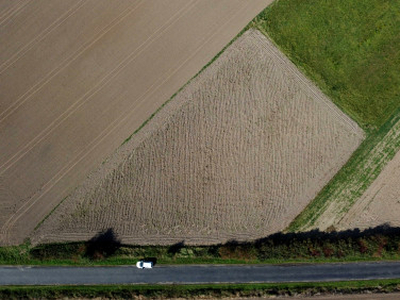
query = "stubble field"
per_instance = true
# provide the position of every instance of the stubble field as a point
(237, 154)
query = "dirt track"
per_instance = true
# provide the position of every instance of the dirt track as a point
(78, 77)
(238, 153)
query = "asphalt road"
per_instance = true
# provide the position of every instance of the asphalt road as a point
(198, 274)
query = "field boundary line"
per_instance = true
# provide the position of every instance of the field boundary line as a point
(15, 13)
(15, 57)
(50, 128)
(66, 62)
(5, 229)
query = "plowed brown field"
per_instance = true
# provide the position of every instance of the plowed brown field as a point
(78, 77)
(238, 153)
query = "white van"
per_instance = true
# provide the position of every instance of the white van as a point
(141, 264)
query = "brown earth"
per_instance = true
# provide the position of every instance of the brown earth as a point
(238, 153)
(380, 204)
(78, 77)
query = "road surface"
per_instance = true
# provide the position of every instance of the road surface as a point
(198, 274)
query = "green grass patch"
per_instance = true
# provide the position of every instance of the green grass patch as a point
(199, 290)
(349, 48)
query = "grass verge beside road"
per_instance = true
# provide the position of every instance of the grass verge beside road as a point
(199, 291)
(380, 243)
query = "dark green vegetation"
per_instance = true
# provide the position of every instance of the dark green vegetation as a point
(381, 243)
(349, 48)
(199, 291)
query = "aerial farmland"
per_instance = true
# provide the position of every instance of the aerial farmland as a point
(198, 121)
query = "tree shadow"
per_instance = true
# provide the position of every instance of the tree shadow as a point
(313, 244)
(102, 245)
(176, 248)
(331, 235)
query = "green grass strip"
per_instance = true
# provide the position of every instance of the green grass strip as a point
(354, 178)
(198, 290)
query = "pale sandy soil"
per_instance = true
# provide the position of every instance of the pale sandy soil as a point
(380, 204)
(78, 77)
(237, 154)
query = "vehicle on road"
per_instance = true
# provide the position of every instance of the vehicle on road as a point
(141, 264)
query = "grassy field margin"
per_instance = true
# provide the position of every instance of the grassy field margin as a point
(375, 244)
(199, 291)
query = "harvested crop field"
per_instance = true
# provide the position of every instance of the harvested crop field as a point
(78, 77)
(237, 154)
(380, 204)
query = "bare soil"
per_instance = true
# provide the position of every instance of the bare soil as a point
(237, 154)
(78, 77)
